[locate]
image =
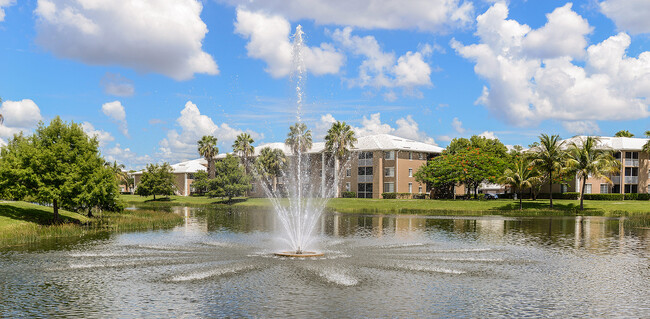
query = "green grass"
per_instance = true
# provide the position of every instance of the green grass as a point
(435, 207)
(23, 223)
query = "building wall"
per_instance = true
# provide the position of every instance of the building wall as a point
(619, 179)
(403, 166)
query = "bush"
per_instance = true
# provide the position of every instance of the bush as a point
(420, 196)
(643, 197)
(396, 195)
(349, 194)
(604, 196)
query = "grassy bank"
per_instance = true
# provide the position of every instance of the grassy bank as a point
(23, 223)
(435, 207)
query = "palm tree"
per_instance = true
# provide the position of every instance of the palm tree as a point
(121, 175)
(624, 133)
(299, 138)
(549, 158)
(244, 149)
(522, 175)
(207, 147)
(646, 147)
(586, 160)
(339, 139)
(270, 164)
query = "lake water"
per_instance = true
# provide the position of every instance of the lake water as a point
(220, 263)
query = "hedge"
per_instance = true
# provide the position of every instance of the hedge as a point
(349, 194)
(396, 195)
(630, 196)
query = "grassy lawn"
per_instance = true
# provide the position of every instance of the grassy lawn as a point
(23, 223)
(437, 207)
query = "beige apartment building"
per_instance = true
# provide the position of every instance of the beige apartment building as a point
(378, 164)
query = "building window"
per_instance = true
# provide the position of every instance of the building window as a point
(410, 155)
(587, 188)
(420, 189)
(421, 156)
(364, 174)
(364, 190)
(348, 172)
(365, 159)
(604, 188)
(347, 186)
(389, 187)
(410, 187)
(389, 172)
(390, 155)
(564, 188)
(410, 172)
(631, 189)
(631, 171)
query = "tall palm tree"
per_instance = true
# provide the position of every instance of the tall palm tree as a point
(207, 147)
(624, 133)
(338, 141)
(299, 138)
(646, 147)
(521, 176)
(244, 149)
(549, 158)
(120, 175)
(585, 159)
(270, 164)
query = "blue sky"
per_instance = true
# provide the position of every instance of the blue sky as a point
(150, 77)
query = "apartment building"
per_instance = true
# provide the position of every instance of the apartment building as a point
(377, 164)
(634, 174)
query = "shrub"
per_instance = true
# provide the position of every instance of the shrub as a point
(388, 195)
(643, 197)
(420, 196)
(631, 196)
(349, 194)
(604, 196)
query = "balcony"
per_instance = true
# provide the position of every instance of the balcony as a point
(631, 179)
(364, 178)
(616, 179)
(629, 162)
(365, 162)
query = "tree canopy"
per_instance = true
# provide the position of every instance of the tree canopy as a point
(59, 165)
(156, 180)
(207, 147)
(244, 149)
(299, 138)
(624, 133)
(230, 179)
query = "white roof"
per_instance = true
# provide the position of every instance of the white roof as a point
(616, 143)
(193, 166)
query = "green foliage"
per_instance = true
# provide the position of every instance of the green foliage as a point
(549, 158)
(493, 146)
(299, 138)
(244, 149)
(523, 175)
(207, 147)
(201, 182)
(230, 179)
(339, 139)
(349, 194)
(604, 196)
(624, 133)
(388, 195)
(396, 195)
(270, 164)
(156, 180)
(59, 165)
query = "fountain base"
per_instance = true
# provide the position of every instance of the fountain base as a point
(303, 254)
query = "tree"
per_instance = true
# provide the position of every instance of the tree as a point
(585, 159)
(156, 180)
(440, 175)
(549, 157)
(118, 169)
(299, 138)
(59, 165)
(201, 182)
(646, 146)
(521, 176)
(207, 147)
(270, 164)
(230, 179)
(244, 149)
(624, 133)
(338, 141)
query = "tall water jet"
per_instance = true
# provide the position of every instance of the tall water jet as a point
(306, 200)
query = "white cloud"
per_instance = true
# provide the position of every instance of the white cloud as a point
(162, 36)
(5, 3)
(115, 111)
(381, 69)
(525, 90)
(489, 135)
(19, 116)
(457, 125)
(115, 84)
(194, 125)
(127, 157)
(424, 15)
(269, 40)
(322, 126)
(629, 15)
(407, 127)
(581, 127)
(103, 137)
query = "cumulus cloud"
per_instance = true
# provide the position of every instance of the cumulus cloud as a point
(488, 135)
(423, 15)
(161, 36)
(381, 69)
(629, 15)
(5, 3)
(269, 40)
(130, 159)
(194, 125)
(457, 125)
(19, 116)
(115, 84)
(116, 112)
(406, 127)
(529, 83)
(103, 137)
(581, 127)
